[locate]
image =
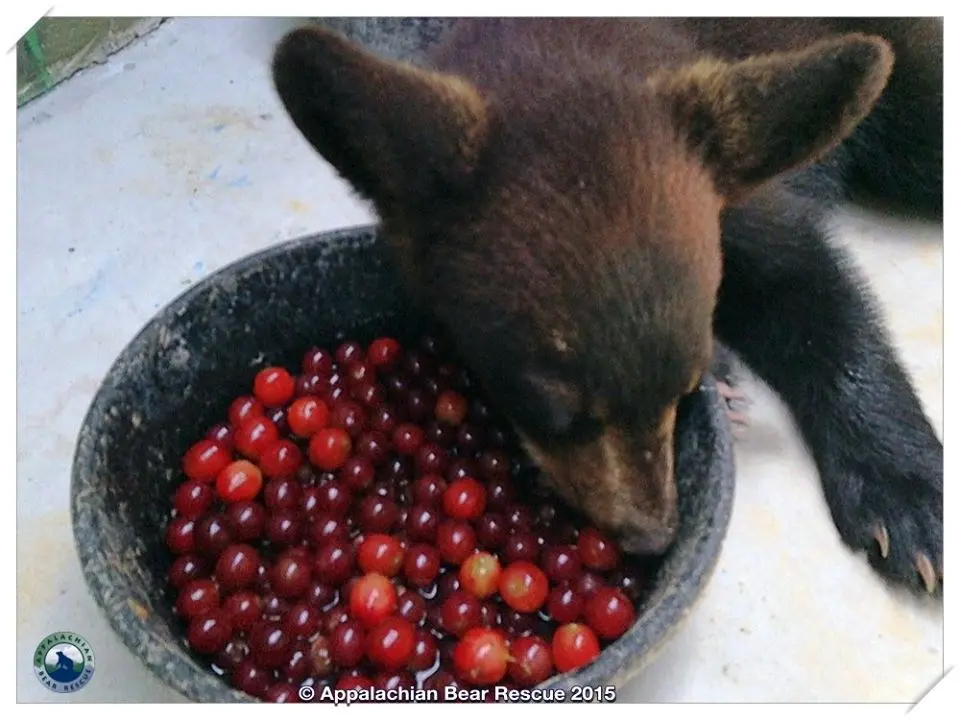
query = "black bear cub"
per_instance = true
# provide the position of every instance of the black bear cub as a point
(586, 205)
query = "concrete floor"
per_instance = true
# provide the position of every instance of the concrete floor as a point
(139, 177)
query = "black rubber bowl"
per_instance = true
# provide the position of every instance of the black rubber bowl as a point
(177, 376)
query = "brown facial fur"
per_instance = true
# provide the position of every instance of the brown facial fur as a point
(552, 192)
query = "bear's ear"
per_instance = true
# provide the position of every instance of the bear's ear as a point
(400, 135)
(754, 119)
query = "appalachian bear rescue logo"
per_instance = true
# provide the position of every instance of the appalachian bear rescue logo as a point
(63, 662)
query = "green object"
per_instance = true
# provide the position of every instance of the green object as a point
(56, 48)
(32, 43)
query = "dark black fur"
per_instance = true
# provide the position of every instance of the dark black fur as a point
(796, 311)
(895, 156)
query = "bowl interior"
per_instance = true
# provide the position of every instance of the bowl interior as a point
(178, 375)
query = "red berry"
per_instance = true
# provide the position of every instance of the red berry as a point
(326, 527)
(517, 623)
(521, 546)
(222, 434)
(564, 604)
(349, 352)
(317, 360)
(347, 643)
(246, 519)
(412, 607)
(359, 373)
(492, 531)
(212, 535)
(390, 644)
(609, 613)
(630, 582)
(334, 499)
(532, 661)
(460, 612)
(205, 459)
(179, 536)
(301, 620)
(330, 448)
(232, 654)
(518, 517)
(273, 386)
(290, 575)
(489, 613)
(574, 645)
(456, 541)
(465, 499)
(424, 653)
(280, 459)
(440, 681)
(198, 597)
(480, 574)
(237, 567)
(239, 481)
(243, 610)
(333, 617)
(407, 438)
(383, 353)
(283, 528)
(321, 656)
(372, 598)
(560, 563)
(394, 680)
(384, 419)
(587, 584)
(422, 524)
(193, 498)
(369, 394)
(373, 446)
(524, 586)
(428, 490)
(597, 551)
(451, 408)
(334, 562)
(422, 564)
(307, 415)
(282, 692)
(297, 667)
(349, 416)
(354, 682)
(481, 656)
(495, 465)
(269, 644)
(209, 632)
(358, 472)
(282, 494)
(242, 409)
(378, 514)
(379, 553)
(254, 435)
(250, 678)
(461, 468)
(431, 459)
(309, 384)
(185, 568)
(278, 416)
(448, 584)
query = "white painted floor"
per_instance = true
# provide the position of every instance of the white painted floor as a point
(139, 177)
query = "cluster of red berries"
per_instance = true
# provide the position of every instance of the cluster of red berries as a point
(367, 523)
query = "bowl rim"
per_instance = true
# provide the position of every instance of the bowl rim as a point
(671, 604)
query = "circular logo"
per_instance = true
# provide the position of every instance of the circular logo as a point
(63, 662)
